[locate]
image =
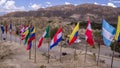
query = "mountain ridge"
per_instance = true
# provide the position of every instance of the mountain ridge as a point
(73, 13)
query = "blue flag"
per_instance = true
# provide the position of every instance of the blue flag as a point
(56, 39)
(108, 33)
(2, 29)
(10, 26)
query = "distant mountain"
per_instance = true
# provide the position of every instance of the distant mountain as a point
(74, 13)
(2, 13)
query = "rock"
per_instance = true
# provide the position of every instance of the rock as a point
(64, 53)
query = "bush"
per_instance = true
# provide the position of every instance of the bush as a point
(117, 47)
(53, 31)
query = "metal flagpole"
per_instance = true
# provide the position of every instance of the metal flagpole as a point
(1, 32)
(19, 31)
(10, 36)
(48, 52)
(35, 50)
(61, 53)
(113, 55)
(30, 54)
(30, 48)
(75, 53)
(98, 53)
(85, 54)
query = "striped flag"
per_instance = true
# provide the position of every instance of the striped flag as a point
(57, 38)
(46, 34)
(108, 33)
(27, 36)
(88, 34)
(6, 28)
(2, 29)
(74, 35)
(31, 38)
(10, 26)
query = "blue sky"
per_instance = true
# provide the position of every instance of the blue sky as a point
(26, 5)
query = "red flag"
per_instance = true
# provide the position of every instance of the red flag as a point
(40, 42)
(88, 34)
(6, 28)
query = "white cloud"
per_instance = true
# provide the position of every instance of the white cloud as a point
(108, 4)
(115, 1)
(111, 4)
(75, 4)
(2, 2)
(95, 3)
(35, 6)
(9, 6)
(67, 3)
(48, 2)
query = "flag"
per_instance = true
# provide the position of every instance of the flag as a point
(2, 29)
(31, 38)
(24, 34)
(57, 38)
(10, 26)
(29, 46)
(108, 33)
(27, 36)
(46, 34)
(88, 34)
(74, 35)
(40, 42)
(117, 36)
(6, 28)
(32, 35)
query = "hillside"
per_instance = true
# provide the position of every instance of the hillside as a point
(73, 13)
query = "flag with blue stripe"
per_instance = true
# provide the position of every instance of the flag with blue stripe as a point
(10, 26)
(108, 33)
(2, 29)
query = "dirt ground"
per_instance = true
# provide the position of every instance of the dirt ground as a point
(14, 55)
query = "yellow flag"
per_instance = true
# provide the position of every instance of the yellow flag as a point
(74, 34)
(34, 30)
(26, 32)
(118, 29)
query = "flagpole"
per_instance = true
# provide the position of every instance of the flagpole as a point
(35, 49)
(30, 54)
(35, 43)
(85, 54)
(61, 53)
(30, 48)
(10, 36)
(1, 32)
(20, 25)
(75, 54)
(113, 55)
(48, 52)
(98, 53)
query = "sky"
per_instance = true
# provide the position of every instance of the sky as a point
(26, 5)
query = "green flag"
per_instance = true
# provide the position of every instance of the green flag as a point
(47, 32)
(27, 36)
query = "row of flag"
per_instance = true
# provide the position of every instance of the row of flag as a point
(29, 34)
(4, 29)
(108, 33)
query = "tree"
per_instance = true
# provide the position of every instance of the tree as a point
(53, 31)
(117, 47)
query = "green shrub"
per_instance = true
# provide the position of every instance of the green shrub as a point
(53, 31)
(117, 47)
(42, 66)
